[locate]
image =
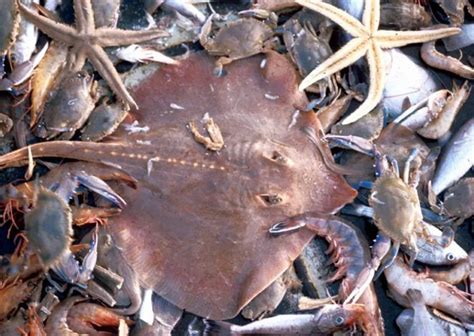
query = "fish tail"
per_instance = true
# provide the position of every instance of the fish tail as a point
(218, 328)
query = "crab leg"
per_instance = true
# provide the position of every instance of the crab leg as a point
(69, 270)
(406, 171)
(389, 259)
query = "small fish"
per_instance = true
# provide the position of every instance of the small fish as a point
(330, 318)
(433, 253)
(406, 318)
(423, 322)
(457, 158)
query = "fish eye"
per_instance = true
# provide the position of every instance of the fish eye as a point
(339, 320)
(450, 257)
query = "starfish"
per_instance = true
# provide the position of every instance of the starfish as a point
(87, 42)
(368, 41)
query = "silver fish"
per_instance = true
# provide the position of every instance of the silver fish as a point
(423, 323)
(25, 43)
(328, 319)
(457, 158)
(432, 253)
(405, 321)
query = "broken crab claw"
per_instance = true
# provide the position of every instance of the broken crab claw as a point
(135, 53)
(69, 183)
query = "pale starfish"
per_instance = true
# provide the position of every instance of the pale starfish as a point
(368, 41)
(87, 42)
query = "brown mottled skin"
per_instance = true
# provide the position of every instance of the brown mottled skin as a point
(196, 227)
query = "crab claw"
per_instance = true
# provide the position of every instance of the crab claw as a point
(89, 261)
(388, 261)
(353, 142)
(283, 227)
(100, 187)
(68, 269)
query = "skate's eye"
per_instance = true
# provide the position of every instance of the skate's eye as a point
(278, 158)
(270, 199)
(450, 257)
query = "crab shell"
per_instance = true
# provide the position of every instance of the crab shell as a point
(49, 227)
(71, 104)
(238, 39)
(397, 211)
(196, 227)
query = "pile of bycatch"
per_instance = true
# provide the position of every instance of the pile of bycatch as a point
(183, 167)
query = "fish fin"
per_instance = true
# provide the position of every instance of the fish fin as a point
(218, 328)
(415, 297)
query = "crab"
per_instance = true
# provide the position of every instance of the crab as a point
(103, 121)
(195, 228)
(397, 211)
(241, 38)
(307, 50)
(48, 225)
(69, 106)
(393, 198)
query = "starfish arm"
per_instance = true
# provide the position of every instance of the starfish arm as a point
(394, 39)
(106, 69)
(371, 17)
(342, 18)
(351, 52)
(53, 29)
(84, 16)
(109, 37)
(79, 17)
(377, 82)
(76, 58)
